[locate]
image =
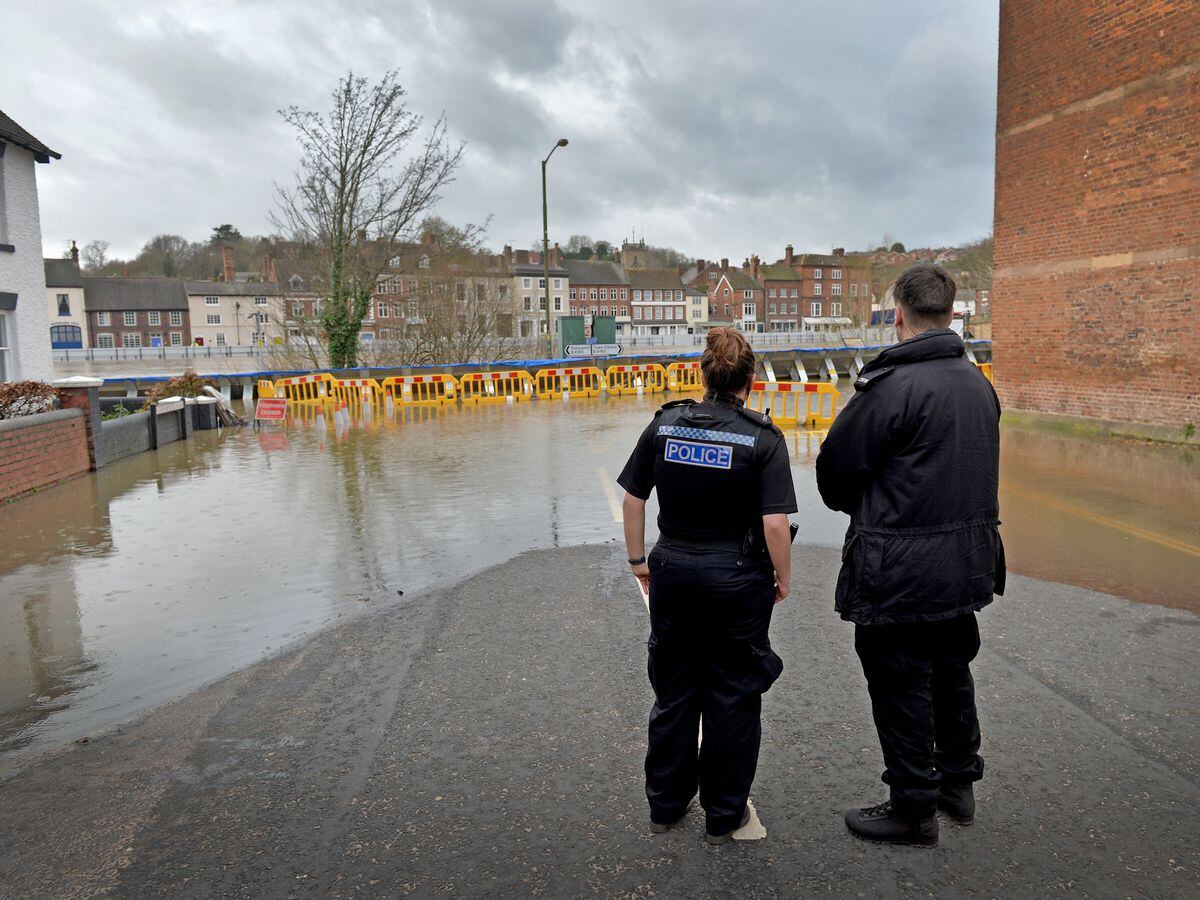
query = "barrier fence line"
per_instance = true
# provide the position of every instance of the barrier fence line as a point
(495, 387)
(577, 381)
(650, 378)
(356, 390)
(811, 403)
(684, 376)
(312, 388)
(420, 390)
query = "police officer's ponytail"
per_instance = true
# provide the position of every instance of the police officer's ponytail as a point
(727, 365)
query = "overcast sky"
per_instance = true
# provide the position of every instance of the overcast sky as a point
(720, 129)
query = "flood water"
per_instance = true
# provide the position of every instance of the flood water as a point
(130, 587)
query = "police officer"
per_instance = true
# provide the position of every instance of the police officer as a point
(721, 563)
(914, 460)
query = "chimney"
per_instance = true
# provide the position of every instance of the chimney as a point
(754, 267)
(74, 254)
(788, 256)
(508, 252)
(227, 264)
(839, 251)
(746, 264)
(700, 264)
(724, 263)
(269, 272)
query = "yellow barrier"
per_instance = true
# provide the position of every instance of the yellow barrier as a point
(266, 388)
(425, 390)
(356, 391)
(496, 387)
(986, 369)
(684, 377)
(578, 381)
(650, 377)
(794, 402)
(312, 388)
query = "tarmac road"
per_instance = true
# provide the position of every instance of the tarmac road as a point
(487, 738)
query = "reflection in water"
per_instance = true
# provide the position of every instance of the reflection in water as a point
(129, 587)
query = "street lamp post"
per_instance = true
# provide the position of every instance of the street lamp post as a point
(562, 142)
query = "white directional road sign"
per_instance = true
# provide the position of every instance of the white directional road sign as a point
(593, 349)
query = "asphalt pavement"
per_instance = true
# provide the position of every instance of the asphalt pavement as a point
(486, 738)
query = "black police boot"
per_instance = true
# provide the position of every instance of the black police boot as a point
(957, 802)
(664, 827)
(728, 835)
(882, 824)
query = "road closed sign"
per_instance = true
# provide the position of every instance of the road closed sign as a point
(271, 409)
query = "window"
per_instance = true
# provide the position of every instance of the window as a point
(260, 301)
(603, 293)
(814, 309)
(66, 337)
(154, 317)
(542, 303)
(835, 309)
(212, 319)
(727, 310)
(747, 310)
(836, 290)
(102, 318)
(817, 290)
(637, 295)
(541, 284)
(816, 273)
(853, 289)
(130, 320)
(679, 294)
(212, 301)
(526, 282)
(384, 310)
(637, 312)
(502, 293)
(837, 273)
(528, 303)
(176, 317)
(771, 293)
(772, 309)
(864, 291)
(131, 339)
(64, 305)
(658, 312)
(795, 308)
(623, 294)
(572, 293)
(794, 293)
(557, 283)
(592, 294)
(726, 292)
(176, 339)
(104, 341)
(604, 310)
(558, 302)
(219, 339)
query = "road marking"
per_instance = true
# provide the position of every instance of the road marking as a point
(1087, 515)
(611, 493)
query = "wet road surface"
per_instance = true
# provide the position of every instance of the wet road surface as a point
(130, 587)
(486, 738)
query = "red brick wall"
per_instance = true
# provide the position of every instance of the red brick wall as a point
(38, 452)
(1097, 281)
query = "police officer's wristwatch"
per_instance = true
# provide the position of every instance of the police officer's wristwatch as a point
(637, 562)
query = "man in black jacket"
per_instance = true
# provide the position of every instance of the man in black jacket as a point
(914, 460)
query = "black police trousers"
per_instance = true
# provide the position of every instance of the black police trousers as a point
(923, 701)
(709, 657)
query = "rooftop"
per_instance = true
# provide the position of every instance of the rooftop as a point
(62, 273)
(119, 294)
(13, 133)
(232, 288)
(655, 279)
(585, 271)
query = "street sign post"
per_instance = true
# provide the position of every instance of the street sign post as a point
(271, 409)
(591, 349)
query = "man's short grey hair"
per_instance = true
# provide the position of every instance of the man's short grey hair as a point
(926, 292)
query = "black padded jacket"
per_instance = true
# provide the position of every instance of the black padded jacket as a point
(914, 460)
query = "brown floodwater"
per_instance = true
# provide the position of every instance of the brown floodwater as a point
(130, 587)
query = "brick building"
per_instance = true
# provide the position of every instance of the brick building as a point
(835, 289)
(1097, 254)
(657, 305)
(136, 312)
(736, 299)
(598, 288)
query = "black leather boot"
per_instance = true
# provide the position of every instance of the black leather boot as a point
(957, 802)
(882, 824)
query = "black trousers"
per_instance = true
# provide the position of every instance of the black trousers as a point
(709, 656)
(923, 702)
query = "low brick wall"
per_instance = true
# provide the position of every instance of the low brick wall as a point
(41, 450)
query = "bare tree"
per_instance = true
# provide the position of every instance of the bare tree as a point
(94, 255)
(358, 194)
